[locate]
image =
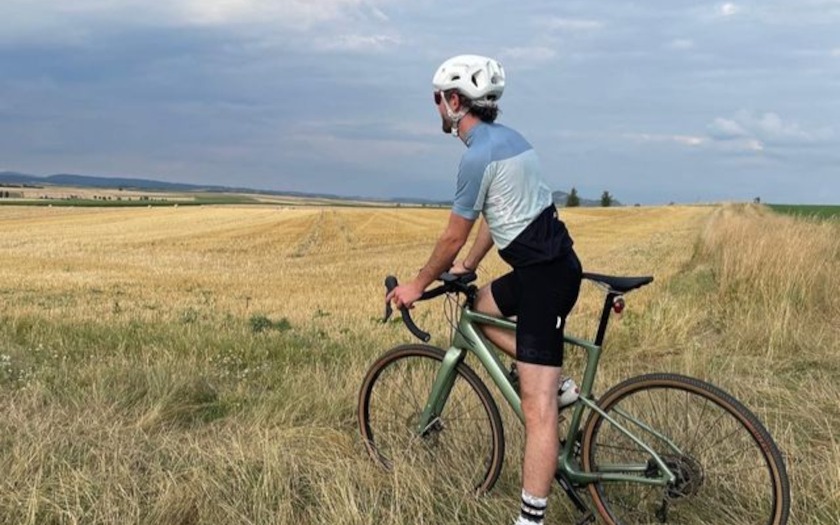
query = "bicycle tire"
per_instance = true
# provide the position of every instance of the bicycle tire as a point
(729, 471)
(467, 436)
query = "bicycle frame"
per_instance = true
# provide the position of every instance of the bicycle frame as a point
(469, 338)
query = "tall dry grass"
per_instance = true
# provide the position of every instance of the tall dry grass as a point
(139, 383)
(756, 311)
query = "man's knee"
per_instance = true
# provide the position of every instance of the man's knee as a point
(485, 303)
(538, 405)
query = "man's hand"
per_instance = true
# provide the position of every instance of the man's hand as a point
(405, 295)
(458, 268)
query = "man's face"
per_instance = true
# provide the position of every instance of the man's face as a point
(445, 122)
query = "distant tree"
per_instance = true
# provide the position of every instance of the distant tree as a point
(757, 200)
(606, 199)
(572, 200)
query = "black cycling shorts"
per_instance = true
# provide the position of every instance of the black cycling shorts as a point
(541, 296)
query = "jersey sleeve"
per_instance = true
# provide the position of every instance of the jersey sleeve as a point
(468, 195)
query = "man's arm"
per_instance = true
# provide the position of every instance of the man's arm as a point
(446, 249)
(483, 243)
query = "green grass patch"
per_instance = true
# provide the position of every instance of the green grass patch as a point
(261, 323)
(815, 211)
(211, 198)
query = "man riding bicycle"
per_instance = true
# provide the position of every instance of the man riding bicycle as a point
(499, 177)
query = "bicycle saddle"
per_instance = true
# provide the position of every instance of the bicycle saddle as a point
(619, 284)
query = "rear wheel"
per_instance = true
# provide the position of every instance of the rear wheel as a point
(464, 443)
(728, 469)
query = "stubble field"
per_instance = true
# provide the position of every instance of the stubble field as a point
(201, 365)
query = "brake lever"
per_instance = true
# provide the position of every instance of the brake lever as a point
(390, 284)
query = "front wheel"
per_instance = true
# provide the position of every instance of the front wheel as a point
(463, 444)
(728, 469)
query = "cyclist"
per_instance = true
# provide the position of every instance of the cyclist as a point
(499, 177)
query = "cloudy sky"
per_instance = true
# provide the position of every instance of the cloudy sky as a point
(655, 101)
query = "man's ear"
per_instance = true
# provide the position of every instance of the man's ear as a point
(455, 101)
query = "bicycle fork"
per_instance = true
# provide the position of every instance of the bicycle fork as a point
(441, 389)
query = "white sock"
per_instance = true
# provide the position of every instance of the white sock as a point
(532, 511)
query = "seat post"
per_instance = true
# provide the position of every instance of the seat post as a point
(605, 317)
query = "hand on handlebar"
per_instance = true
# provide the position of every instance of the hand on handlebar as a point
(404, 296)
(458, 268)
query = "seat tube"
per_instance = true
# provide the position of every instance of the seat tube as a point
(605, 318)
(441, 388)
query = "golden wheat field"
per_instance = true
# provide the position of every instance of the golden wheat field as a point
(201, 365)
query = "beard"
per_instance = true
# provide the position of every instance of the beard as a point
(445, 125)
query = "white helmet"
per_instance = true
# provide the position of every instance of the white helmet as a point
(481, 79)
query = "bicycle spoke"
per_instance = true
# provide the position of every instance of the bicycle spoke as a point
(693, 440)
(730, 470)
(721, 440)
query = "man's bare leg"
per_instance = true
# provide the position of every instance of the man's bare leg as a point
(538, 389)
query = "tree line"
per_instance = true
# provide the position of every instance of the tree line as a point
(573, 200)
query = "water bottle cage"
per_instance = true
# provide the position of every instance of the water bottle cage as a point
(618, 304)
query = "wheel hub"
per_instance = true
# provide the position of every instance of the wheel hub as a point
(689, 477)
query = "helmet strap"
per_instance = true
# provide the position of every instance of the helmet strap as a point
(453, 116)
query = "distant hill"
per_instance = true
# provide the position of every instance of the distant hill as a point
(20, 179)
(87, 181)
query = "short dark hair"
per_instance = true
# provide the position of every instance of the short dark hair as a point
(484, 113)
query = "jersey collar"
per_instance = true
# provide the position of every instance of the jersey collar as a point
(471, 134)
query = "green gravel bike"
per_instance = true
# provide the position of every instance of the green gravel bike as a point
(657, 448)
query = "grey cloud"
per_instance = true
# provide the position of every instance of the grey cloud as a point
(726, 129)
(528, 57)
(570, 24)
(359, 43)
(766, 127)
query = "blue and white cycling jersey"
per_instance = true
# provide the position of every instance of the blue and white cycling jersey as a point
(499, 176)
